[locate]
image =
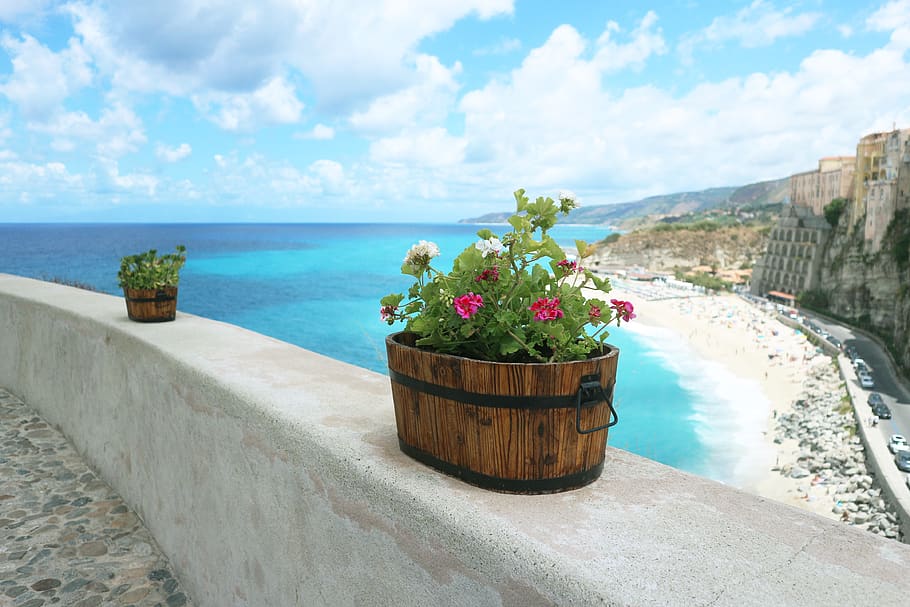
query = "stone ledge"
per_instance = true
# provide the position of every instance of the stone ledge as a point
(270, 475)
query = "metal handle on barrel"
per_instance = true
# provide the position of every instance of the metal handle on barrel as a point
(590, 391)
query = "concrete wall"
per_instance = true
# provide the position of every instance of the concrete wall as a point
(271, 477)
(878, 457)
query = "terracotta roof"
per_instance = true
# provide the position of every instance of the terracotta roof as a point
(781, 294)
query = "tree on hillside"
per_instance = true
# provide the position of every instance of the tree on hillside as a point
(834, 210)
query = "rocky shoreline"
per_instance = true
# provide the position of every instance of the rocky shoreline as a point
(828, 457)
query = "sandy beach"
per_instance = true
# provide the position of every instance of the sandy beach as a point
(771, 360)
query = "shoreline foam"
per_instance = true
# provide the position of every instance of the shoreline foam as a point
(743, 367)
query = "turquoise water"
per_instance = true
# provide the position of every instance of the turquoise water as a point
(318, 286)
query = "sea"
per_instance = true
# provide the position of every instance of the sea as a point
(318, 286)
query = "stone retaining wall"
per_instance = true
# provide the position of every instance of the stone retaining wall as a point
(879, 459)
(271, 476)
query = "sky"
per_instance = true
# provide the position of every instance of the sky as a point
(429, 110)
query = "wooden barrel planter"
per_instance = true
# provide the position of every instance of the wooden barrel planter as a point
(511, 427)
(151, 305)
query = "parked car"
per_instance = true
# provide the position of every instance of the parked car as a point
(850, 351)
(882, 411)
(834, 341)
(902, 459)
(875, 399)
(897, 442)
(859, 364)
(866, 381)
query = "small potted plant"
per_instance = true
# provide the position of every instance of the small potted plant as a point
(149, 284)
(502, 376)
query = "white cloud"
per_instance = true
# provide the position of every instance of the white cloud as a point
(330, 175)
(36, 180)
(168, 154)
(275, 102)
(430, 148)
(759, 24)
(893, 17)
(386, 34)
(138, 182)
(502, 47)
(553, 122)
(256, 180)
(42, 79)
(127, 72)
(646, 41)
(202, 47)
(5, 131)
(319, 132)
(12, 10)
(427, 101)
(63, 145)
(118, 131)
(564, 117)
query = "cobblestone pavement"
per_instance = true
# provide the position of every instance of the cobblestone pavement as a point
(66, 537)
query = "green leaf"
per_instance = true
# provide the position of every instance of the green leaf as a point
(148, 271)
(508, 345)
(519, 222)
(602, 284)
(551, 249)
(393, 299)
(411, 270)
(521, 201)
(584, 249)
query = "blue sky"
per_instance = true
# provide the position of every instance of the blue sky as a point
(388, 110)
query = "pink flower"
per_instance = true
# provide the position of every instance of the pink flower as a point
(594, 312)
(570, 266)
(467, 305)
(546, 309)
(491, 274)
(386, 312)
(623, 309)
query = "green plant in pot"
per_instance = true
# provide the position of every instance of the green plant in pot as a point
(502, 376)
(149, 284)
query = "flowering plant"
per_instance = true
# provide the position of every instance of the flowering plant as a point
(500, 302)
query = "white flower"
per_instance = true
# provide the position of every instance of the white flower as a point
(566, 195)
(490, 245)
(421, 253)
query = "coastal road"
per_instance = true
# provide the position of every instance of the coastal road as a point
(893, 391)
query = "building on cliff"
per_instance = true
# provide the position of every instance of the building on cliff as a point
(881, 183)
(816, 189)
(876, 184)
(792, 261)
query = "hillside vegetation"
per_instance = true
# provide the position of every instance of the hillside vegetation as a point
(671, 247)
(628, 215)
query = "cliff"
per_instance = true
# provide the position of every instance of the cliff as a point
(871, 290)
(668, 248)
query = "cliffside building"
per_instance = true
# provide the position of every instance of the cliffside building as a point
(792, 261)
(876, 182)
(816, 189)
(881, 182)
